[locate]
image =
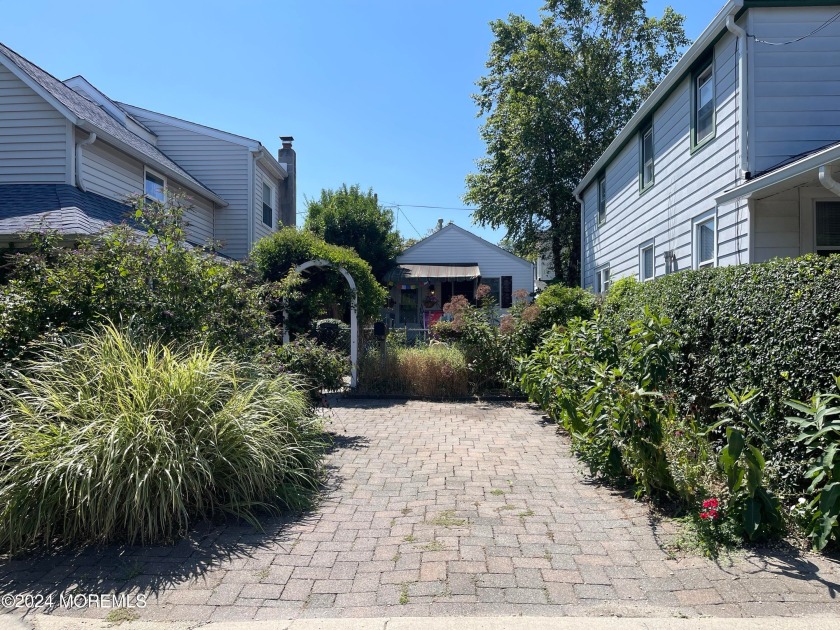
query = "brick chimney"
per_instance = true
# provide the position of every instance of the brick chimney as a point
(288, 193)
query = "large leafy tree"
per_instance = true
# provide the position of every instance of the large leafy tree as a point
(350, 218)
(555, 95)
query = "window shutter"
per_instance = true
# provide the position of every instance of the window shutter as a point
(507, 291)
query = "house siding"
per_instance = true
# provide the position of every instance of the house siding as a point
(260, 228)
(685, 185)
(222, 166)
(794, 88)
(33, 136)
(453, 246)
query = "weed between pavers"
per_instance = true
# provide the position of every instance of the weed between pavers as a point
(262, 573)
(497, 492)
(435, 545)
(120, 615)
(404, 593)
(410, 538)
(405, 511)
(447, 519)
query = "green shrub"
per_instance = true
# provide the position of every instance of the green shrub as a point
(148, 275)
(326, 291)
(774, 327)
(556, 305)
(111, 438)
(332, 333)
(322, 368)
(435, 371)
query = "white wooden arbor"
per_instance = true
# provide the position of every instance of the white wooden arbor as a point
(354, 306)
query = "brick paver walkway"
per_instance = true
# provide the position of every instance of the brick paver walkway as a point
(442, 509)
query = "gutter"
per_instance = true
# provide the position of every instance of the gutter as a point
(828, 181)
(741, 34)
(671, 80)
(80, 182)
(265, 158)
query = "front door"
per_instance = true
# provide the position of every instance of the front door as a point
(409, 306)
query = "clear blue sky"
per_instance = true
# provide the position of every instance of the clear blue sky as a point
(375, 92)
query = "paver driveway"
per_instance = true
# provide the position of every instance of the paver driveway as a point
(442, 509)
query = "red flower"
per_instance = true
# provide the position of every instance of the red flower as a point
(710, 503)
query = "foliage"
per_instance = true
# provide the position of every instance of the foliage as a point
(321, 367)
(555, 95)
(112, 438)
(743, 466)
(774, 327)
(325, 290)
(435, 371)
(556, 305)
(353, 219)
(333, 333)
(143, 271)
(608, 394)
(819, 428)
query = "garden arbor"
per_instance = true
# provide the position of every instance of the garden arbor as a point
(354, 307)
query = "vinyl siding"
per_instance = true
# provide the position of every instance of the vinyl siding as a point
(776, 230)
(684, 188)
(795, 88)
(33, 136)
(260, 228)
(218, 164)
(453, 246)
(111, 173)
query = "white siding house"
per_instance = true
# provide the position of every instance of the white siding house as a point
(720, 165)
(452, 261)
(65, 142)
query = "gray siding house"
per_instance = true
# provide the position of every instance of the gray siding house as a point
(70, 156)
(731, 159)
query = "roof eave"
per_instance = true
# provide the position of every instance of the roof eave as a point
(265, 158)
(170, 173)
(791, 171)
(694, 52)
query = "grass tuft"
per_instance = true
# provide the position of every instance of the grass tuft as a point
(447, 519)
(113, 438)
(436, 371)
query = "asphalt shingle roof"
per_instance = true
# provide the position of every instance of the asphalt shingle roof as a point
(86, 109)
(61, 207)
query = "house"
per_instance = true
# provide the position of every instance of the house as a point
(70, 156)
(733, 157)
(452, 261)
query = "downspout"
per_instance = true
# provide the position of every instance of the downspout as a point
(80, 183)
(828, 181)
(741, 34)
(582, 241)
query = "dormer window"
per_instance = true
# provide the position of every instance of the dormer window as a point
(267, 205)
(155, 186)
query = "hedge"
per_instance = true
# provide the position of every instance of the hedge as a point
(772, 326)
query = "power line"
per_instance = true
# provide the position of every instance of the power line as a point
(408, 205)
(409, 221)
(799, 39)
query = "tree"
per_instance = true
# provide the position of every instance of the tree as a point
(350, 218)
(555, 95)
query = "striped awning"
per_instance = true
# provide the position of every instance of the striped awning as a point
(413, 271)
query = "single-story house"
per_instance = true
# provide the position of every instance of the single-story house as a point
(451, 261)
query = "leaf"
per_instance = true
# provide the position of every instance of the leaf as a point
(752, 517)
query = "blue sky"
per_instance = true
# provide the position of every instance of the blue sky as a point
(375, 92)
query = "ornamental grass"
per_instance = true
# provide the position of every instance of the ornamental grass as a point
(112, 438)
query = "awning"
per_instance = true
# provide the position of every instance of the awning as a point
(413, 271)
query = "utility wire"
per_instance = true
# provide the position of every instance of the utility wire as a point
(408, 205)
(799, 39)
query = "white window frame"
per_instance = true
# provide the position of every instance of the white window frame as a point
(602, 200)
(148, 171)
(696, 222)
(647, 245)
(817, 247)
(602, 284)
(697, 142)
(267, 185)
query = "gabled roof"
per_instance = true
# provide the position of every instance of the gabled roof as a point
(91, 117)
(110, 106)
(671, 80)
(453, 227)
(254, 145)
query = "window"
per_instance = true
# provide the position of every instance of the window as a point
(646, 176)
(602, 279)
(602, 200)
(704, 243)
(267, 207)
(703, 111)
(155, 186)
(646, 268)
(495, 289)
(828, 227)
